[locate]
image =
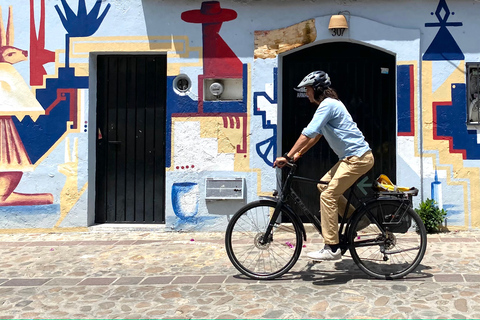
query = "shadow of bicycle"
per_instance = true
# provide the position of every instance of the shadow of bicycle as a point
(346, 271)
(340, 272)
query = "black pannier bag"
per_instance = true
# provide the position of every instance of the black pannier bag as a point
(393, 215)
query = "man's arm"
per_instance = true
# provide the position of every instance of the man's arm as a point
(303, 144)
(307, 147)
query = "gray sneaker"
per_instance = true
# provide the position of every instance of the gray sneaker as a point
(326, 254)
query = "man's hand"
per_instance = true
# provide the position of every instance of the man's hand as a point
(280, 162)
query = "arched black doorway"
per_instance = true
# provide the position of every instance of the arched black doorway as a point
(364, 78)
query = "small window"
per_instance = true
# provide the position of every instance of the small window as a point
(473, 93)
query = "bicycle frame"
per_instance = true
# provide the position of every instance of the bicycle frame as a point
(287, 191)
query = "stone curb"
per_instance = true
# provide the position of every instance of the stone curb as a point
(217, 279)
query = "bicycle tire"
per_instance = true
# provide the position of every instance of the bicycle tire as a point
(248, 255)
(403, 246)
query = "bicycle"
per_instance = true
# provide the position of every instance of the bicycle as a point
(385, 236)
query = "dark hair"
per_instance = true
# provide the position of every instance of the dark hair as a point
(320, 94)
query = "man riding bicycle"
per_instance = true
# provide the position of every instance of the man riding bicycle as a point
(333, 121)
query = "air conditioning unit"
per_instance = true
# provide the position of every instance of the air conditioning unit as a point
(225, 189)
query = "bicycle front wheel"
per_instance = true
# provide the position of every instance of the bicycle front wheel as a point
(397, 251)
(260, 258)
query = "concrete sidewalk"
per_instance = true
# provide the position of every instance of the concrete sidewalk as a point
(110, 273)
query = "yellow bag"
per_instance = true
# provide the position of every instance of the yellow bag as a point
(383, 183)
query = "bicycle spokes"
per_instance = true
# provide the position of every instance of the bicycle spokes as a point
(388, 254)
(254, 251)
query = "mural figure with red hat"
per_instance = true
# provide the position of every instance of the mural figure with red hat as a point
(218, 58)
(219, 61)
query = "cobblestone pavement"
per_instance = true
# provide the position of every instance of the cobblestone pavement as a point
(156, 274)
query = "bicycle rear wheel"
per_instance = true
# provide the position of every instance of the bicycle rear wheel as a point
(391, 254)
(243, 241)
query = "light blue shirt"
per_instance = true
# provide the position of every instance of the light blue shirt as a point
(334, 122)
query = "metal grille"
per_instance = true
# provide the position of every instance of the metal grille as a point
(221, 189)
(473, 93)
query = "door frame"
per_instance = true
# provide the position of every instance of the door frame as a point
(280, 81)
(404, 44)
(361, 56)
(92, 123)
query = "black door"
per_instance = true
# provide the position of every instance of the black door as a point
(364, 79)
(130, 163)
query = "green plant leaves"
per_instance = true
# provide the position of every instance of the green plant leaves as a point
(431, 215)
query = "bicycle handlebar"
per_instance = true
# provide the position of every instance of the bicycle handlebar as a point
(290, 164)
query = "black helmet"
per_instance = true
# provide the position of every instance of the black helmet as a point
(316, 79)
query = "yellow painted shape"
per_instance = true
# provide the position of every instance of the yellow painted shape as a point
(471, 202)
(16, 97)
(173, 46)
(69, 194)
(177, 45)
(228, 138)
(43, 230)
(5, 86)
(121, 47)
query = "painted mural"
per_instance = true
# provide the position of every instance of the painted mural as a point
(424, 164)
(55, 106)
(448, 141)
(17, 101)
(222, 135)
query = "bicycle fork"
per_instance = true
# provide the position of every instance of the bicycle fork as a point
(267, 237)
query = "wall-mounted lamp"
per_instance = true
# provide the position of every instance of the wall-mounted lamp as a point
(338, 24)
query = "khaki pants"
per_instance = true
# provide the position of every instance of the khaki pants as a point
(332, 202)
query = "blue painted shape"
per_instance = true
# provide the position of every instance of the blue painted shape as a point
(269, 152)
(175, 104)
(229, 106)
(436, 189)
(223, 107)
(455, 215)
(82, 24)
(443, 46)
(22, 211)
(37, 216)
(181, 191)
(38, 137)
(451, 122)
(404, 102)
(194, 224)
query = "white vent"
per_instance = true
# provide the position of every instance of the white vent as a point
(224, 189)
